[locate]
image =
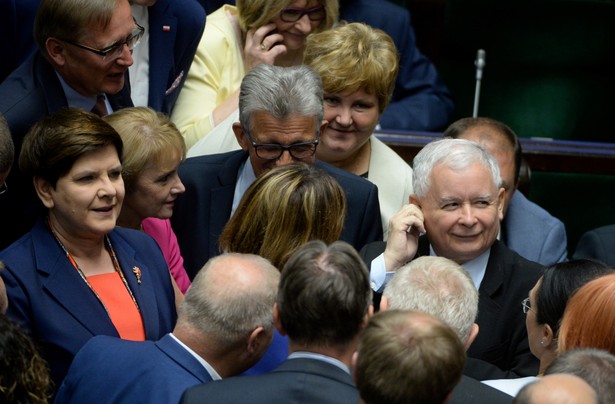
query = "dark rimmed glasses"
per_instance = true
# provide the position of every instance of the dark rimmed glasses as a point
(293, 14)
(114, 51)
(526, 305)
(273, 151)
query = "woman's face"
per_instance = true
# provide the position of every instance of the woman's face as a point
(87, 200)
(296, 32)
(534, 329)
(156, 189)
(352, 118)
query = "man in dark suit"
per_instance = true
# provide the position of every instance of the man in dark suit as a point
(323, 303)
(408, 357)
(174, 28)
(442, 288)
(420, 100)
(527, 229)
(281, 117)
(81, 56)
(457, 203)
(223, 327)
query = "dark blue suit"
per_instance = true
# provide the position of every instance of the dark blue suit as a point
(48, 298)
(172, 48)
(294, 381)
(31, 92)
(420, 101)
(111, 370)
(202, 212)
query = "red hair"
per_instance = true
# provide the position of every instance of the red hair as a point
(589, 319)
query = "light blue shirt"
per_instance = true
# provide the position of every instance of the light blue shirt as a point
(379, 276)
(245, 179)
(320, 357)
(77, 100)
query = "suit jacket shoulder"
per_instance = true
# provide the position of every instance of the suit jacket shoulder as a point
(115, 370)
(532, 232)
(295, 381)
(471, 391)
(202, 211)
(597, 244)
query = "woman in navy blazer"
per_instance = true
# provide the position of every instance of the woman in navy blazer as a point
(74, 275)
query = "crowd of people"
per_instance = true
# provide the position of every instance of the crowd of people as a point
(201, 211)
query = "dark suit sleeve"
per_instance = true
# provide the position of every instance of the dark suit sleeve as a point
(371, 227)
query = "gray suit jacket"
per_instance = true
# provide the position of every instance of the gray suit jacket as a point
(533, 233)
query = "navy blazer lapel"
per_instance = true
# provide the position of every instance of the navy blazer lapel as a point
(183, 358)
(143, 292)
(222, 197)
(162, 37)
(66, 285)
(46, 76)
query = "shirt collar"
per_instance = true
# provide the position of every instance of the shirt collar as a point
(476, 268)
(320, 357)
(212, 372)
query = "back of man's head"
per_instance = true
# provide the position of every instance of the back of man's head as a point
(557, 389)
(324, 295)
(281, 92)
(437, 286)
(229, 298)
(408, 357)
(595, 366)
(485, 131)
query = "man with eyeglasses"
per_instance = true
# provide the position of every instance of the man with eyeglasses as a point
(84, 51)
(280, 118)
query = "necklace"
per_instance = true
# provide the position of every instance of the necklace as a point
(114, 260)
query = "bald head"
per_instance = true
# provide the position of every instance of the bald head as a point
(499, 140)
(557, 389)
(231, 296)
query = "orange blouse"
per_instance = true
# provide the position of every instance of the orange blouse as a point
(122, 310)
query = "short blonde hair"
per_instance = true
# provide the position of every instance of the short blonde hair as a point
(282, 210)
(256, 13)
(148, 136)
(353, 57)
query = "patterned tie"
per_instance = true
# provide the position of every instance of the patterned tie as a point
(100, 108)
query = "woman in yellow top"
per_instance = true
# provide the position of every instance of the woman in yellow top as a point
(235, 40)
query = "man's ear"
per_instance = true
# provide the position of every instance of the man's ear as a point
(384, 303)
(501, 194)
(55, 50)
(276, 319)
(240, 136)
(256, 339)
(547, 336)
(323, 126)
(472, 336)
(43, 190)
(353, 365)
(414, 200)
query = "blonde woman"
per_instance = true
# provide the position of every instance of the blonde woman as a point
(235, 40)
(358, 66)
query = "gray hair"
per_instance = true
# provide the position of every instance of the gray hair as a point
(7, 148)
(221, 304)
(456, 154)
(281, 92)
(595, 366)
(437, 286)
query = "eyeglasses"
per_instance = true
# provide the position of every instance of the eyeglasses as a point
(3, 188)
(526, 305)
(114, 51)
(293, 14)
(299, 151)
